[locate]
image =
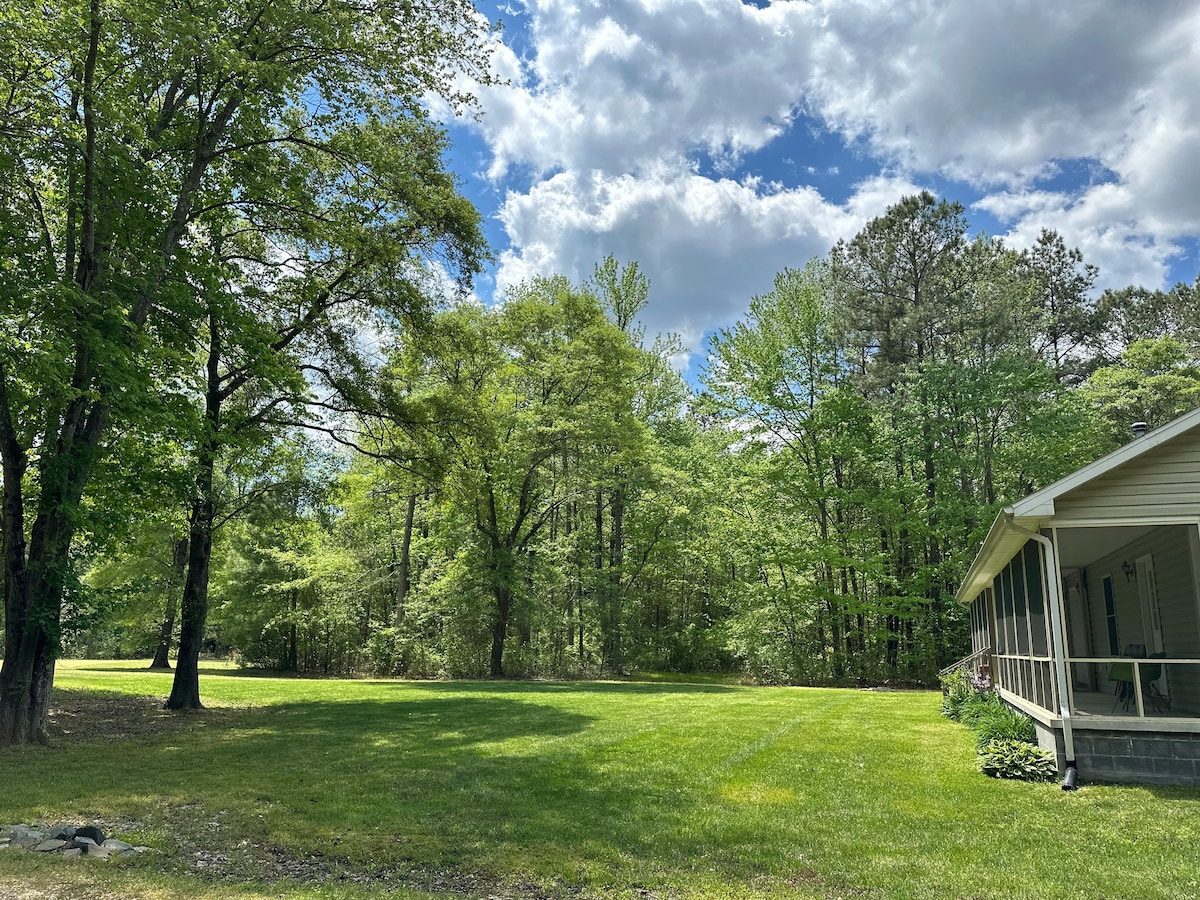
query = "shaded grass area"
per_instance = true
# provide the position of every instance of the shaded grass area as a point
(587, 789)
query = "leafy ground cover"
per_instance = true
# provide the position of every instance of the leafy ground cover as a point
(572, 790)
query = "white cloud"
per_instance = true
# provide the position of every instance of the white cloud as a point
(707, 245)
(605, 136)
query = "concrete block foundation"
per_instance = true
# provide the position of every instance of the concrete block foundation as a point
(1128, 757)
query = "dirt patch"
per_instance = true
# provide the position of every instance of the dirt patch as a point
(12, 891)
(251, 862)
(90, 716)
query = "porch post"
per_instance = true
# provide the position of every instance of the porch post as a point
(1062, 623)
(1054, 592)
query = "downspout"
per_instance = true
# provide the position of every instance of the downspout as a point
(1054, 596)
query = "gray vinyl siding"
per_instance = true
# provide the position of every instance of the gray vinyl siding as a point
(1165, 482)
(1170, 548)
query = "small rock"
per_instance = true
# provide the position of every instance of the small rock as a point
(24, 836)
(90, 831)
(50, 846)
(73, 852)
(83, 843)
(97, 852)
(63, 832)
(114, 844)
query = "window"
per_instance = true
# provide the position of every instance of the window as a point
(1110, 613)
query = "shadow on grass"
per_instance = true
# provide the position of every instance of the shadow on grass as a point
(486, 784)
(500, 685)
(204, 670)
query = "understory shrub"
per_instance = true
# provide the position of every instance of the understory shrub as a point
(997, 721)
(956, 691)
(993, 719)
(1006, 737)
(1005, 758)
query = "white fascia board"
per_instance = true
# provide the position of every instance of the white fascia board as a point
(1004, 540)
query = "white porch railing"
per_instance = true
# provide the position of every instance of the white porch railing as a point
(980, 661)
(1126, 673)
(1032, 679)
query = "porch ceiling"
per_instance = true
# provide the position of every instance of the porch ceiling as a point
(1077, 547)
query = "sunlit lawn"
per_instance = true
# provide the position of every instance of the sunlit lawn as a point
(599, 789)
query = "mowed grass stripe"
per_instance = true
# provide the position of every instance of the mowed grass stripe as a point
(612, 788)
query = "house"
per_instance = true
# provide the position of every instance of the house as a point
(1085, 610)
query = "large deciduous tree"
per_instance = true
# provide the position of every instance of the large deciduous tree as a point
(495, 400)
(133, 136)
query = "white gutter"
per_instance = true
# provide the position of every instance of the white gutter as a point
(1054, 596)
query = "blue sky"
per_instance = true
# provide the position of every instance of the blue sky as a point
(716, 141)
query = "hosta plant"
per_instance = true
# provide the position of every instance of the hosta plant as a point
(1004, 758)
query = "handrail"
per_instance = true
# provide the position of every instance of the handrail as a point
(964, 662)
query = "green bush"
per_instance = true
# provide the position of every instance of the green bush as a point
(1016, 759)
(1000, 722)
(979, 706)
(956, 692)
(1006, 737)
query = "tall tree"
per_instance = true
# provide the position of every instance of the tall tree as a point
(494, 399)
(281, 332)
(1068, 324)
(1154, 382)
(125, 128)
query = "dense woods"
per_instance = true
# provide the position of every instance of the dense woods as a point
(242, 413)
(539, 492)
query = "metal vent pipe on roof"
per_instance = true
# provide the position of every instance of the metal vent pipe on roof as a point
(1139, 429)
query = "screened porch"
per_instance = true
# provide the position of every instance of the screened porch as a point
(1130, 613)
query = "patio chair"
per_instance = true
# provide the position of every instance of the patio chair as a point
(1148, 674)
(1122, 674)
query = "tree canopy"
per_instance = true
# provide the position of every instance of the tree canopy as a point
(182, 180)
(225, 227)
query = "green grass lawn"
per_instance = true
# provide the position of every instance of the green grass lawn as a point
(635, 789)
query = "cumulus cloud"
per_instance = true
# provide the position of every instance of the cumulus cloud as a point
(706, 244)
(627, 125)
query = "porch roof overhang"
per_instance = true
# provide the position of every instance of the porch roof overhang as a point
(1007, 534)
(1004, 540)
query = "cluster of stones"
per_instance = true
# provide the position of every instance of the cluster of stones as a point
(65, 840)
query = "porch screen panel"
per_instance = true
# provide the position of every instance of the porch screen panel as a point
(979, 635)
(1005, 605)
(974, 625)
(1035, 593)
(1015, 581)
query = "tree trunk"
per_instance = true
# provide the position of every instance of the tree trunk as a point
(162, 654)
(500, 627)
(402, 577)
(600, 585)
(34, 578)
(291, 660)
(25, 684)
(185, 690)
(616, 561)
